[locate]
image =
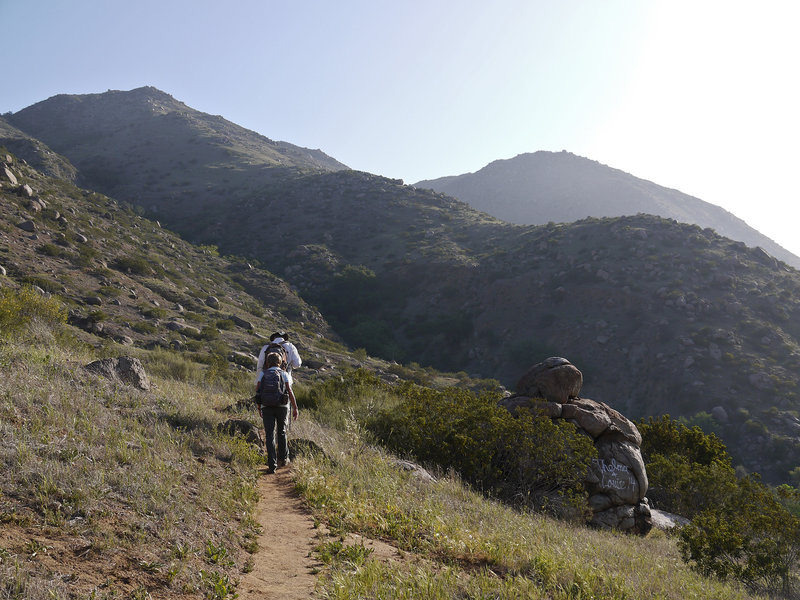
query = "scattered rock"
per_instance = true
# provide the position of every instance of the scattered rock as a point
(127, 369)
(9, 176)
(555, 379)
(26, 190)
(123, 340)
(93, 301)
(80, 238)
(720, 414)
(29, 226)
(305, 447)
(244, 324)
(664, 520)
(243, 358)
(413, 468)
(242, 428)
(212, 301)
(2, 271)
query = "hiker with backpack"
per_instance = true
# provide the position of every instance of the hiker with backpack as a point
(290, 358)
(273, 395)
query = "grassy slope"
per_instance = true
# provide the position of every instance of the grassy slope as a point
(113, 491)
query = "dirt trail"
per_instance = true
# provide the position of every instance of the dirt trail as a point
(282, 567)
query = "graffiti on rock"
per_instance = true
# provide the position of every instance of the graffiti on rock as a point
(614, 475)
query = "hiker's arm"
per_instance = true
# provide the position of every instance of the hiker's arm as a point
(260, 364)
(293, 356)
(258, 387)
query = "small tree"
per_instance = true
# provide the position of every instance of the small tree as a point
(750, 537)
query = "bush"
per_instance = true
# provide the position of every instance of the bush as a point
(47, 284)
(740, 528)
(137, 265)
(19, 307)
(171, 365)
(688, 470)
(51, 250)
(526, 459)
(750, 537)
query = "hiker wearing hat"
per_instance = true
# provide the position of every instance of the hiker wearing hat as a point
(279, 343)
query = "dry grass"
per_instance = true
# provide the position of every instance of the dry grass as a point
(479, 548)
(121, 490)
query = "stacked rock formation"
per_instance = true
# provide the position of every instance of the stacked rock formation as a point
(617, 481)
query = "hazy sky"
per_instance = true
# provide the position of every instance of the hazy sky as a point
(700, 95)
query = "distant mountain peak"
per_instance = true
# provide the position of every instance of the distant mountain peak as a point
(539, 187)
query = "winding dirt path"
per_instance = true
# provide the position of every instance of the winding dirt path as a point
(283, 567)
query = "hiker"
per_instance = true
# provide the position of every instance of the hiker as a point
(279, 342)
(273, 395)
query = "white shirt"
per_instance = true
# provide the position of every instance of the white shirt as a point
(292, 358)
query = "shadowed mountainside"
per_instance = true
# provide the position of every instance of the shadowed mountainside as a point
(661, 317)
(539, 187)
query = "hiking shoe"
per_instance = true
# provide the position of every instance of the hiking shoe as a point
(271, 471)
(284, 462)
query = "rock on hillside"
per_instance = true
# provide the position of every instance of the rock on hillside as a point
(540, 187)
(617, 480)
(129, 282)
(36, 153)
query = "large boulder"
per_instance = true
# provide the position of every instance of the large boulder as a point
(127, 369)
(8, 174)
(555, 379)
(616, 480)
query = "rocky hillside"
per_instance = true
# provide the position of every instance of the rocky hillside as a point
(129, 282)
(36, 153)
(661, 316)
(534, 189)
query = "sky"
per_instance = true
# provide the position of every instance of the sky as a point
(700, 96)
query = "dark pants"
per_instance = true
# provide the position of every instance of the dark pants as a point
(275, 420)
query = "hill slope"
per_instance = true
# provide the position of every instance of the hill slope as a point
(660, 316)
(534, 189)
(130, 283)
(147, 147)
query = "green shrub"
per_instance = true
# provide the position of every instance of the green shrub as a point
(51, 250)
(47, 284)
(19, 307)
(172, 365)
(138, 265)
(144, 327)
(527, 459)
(226, 324)
(750, 537)
(209, 332)
(109, 290)
(688, 470)
(153, 312)
(740, 528)
(85, 255)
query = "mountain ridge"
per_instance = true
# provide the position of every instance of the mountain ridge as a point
(535, 188)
